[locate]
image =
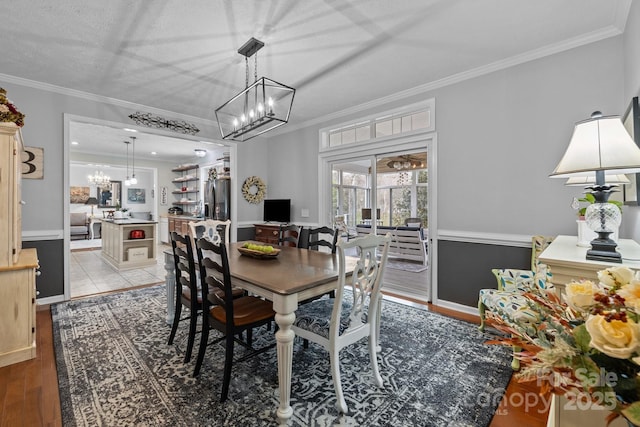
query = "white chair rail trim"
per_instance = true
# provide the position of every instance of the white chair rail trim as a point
(515, 240)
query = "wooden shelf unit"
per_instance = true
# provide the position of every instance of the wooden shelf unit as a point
(187, 186)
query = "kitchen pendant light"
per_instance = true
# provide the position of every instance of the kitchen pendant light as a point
(127, 181)
(133, 181)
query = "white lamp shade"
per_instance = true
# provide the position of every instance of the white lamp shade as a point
(599, 144)
(619, 179)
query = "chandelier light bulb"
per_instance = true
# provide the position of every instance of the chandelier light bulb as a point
(243, 118)
(260, 108)
(270, 103)
(251, 114)
(235, 124)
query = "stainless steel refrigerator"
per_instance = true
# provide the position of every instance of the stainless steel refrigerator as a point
(217, 199)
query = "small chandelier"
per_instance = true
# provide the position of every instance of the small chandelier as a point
(99, 179)
(259, 108)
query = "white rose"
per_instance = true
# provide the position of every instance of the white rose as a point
(579, 295)
(631, 295)
(613, 276)
(615, 338)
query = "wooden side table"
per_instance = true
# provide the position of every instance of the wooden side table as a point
(568, 261)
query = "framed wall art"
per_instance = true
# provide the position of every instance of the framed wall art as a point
(79, 194)
(136, 195)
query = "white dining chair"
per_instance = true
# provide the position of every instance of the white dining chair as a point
(209, 228)
(335, 323)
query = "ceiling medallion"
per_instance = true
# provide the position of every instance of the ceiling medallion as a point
(149, 120)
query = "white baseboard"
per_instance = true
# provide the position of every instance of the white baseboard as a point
(457, 307)
(50, 300)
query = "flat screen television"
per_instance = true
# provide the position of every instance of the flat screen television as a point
(277, 210)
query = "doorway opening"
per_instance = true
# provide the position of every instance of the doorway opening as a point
(96, 145)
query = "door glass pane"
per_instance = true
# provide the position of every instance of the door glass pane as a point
(384, 204)
(335, 176)
(400, 205)
(351, 191)
(421, 205)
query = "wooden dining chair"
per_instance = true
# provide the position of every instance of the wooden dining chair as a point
(322, 239)
(319, 239)
(187, 294)
(342, 321)
(221, 311)
(289, 235)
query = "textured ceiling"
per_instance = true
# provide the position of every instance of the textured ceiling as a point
(182, 56)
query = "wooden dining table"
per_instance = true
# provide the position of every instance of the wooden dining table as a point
(292, 276)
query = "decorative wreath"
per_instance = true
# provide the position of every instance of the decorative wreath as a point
(253, 189)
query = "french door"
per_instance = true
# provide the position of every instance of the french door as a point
(385, 186)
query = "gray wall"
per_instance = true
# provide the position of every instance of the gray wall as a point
(500, 135)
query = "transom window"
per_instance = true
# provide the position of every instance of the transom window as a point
(412, 118)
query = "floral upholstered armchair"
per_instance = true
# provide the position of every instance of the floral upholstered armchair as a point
(508, 301)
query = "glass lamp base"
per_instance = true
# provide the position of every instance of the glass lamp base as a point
(604, 249)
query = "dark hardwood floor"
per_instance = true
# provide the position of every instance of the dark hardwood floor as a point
(29, 390)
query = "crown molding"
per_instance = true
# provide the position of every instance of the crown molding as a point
(585, 39)
(103, 99)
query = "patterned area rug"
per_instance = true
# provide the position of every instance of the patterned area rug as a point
(115, 368)
(398, 264)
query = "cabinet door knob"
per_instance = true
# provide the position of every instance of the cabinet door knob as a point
(22, 202)
(38, 272)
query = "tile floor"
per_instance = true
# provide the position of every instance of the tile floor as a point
(90, 274)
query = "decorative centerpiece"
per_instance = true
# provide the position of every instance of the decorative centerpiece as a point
(258, 251)
(586, 347)
(8, 112)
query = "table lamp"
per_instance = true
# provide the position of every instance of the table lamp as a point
(600, 145)
(91, 201)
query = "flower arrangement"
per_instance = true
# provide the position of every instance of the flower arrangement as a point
(587, 346)
(8, 111)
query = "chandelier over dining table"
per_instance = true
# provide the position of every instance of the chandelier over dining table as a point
(260, 107)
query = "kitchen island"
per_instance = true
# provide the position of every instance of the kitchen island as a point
(129, 243)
